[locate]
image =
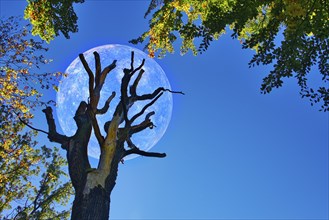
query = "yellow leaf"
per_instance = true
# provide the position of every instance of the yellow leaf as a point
(55, 88)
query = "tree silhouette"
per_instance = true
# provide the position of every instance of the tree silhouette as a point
(93, 186)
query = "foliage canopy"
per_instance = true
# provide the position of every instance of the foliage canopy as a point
(20, 59)
(50, 17)
(257, 24)
(21, 160)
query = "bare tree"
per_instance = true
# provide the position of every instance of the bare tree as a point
(93, 186)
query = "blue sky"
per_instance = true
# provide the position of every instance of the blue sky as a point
(233, 153)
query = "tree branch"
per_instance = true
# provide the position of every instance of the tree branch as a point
(130, 143)
(106, 105)
(125, 100)
(81, 110)
(150, 95)
(157, 91)
(124, 96)
(97, 131)
(105, 71)
(131, 72)
(143, 153)
(95, 86)
(145, 107)
(133, 88)
(53, 135)
(147, 123)
(177, 92)
(30, 126)
(91, 76)
(132, 61)
(138, 68)
(98, 68)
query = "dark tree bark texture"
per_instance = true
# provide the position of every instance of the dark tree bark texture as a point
(93, 186)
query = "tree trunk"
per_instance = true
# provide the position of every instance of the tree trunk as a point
(92, 199)
(94, 205)
(93, 187)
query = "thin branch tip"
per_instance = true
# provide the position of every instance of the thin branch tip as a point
(30, 126)
(137, 151)
(176, 92)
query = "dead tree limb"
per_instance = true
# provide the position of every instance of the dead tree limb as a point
(95, 87)
(144, 153)
(106, 105)
(28, 125)
(127, 101)
(133, 88)
(53, 135)
(144, 108)
(98, 67)
(90, 74)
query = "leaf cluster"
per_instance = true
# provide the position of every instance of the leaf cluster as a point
(21, 160)
(303, 24)
(17, 158)
(51, 17)
(20, 59)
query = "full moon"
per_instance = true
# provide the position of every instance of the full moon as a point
(74, 88)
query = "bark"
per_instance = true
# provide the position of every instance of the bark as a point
(93, 186)
(94, 201)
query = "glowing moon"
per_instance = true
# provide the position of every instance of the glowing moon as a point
(74, 88)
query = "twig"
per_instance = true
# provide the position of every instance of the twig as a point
(145, 107)
(177, 92)
(143, 153)
(30, 126)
